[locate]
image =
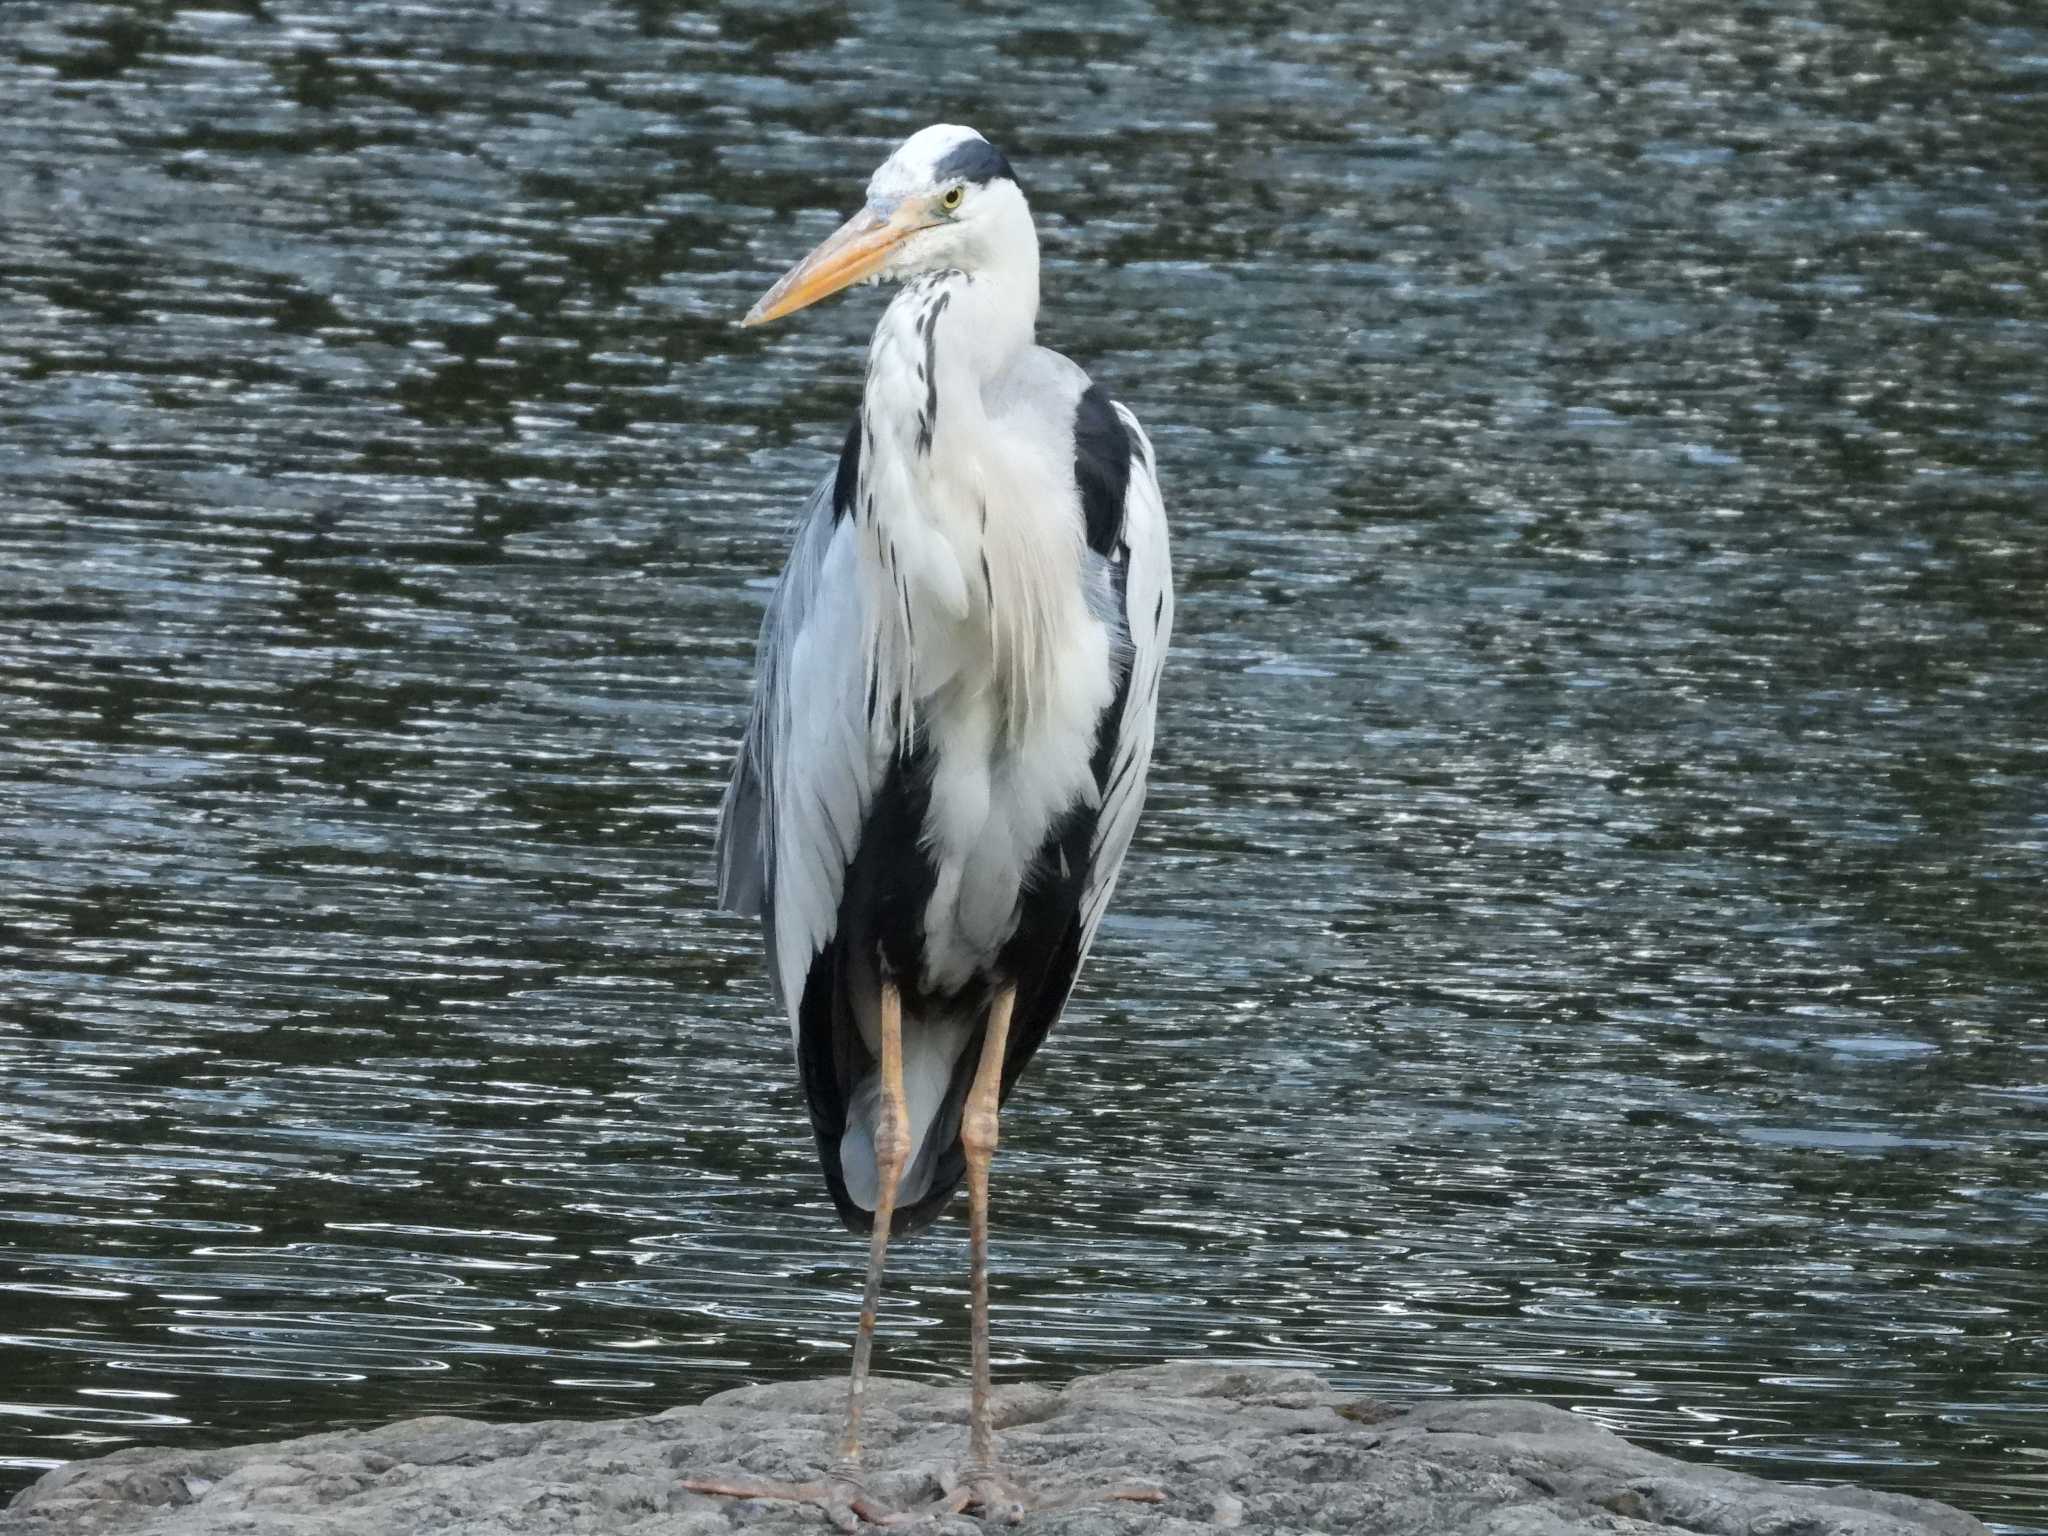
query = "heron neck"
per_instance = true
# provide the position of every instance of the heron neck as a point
(943, 494)
(999, 303)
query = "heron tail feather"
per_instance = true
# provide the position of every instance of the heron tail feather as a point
(932, 1052)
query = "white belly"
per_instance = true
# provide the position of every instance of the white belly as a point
(999, 787)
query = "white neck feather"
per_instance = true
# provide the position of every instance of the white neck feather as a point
(970, 561)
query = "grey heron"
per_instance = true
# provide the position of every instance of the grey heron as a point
(951, 730)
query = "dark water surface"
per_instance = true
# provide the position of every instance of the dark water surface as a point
(1588, 940)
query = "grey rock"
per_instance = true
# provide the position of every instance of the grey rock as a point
(1239, 1450)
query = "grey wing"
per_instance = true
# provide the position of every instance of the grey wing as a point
(1131, 588)
(1147, 612)
(805, 772)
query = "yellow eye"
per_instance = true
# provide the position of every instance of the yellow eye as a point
(951, 200)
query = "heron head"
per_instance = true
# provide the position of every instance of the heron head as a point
(945, 199)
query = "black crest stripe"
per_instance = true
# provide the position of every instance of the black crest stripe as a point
(977, 160)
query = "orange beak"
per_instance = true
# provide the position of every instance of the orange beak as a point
(856, 249)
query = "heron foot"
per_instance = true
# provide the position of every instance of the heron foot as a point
(841, 1495)
(1000, 1500)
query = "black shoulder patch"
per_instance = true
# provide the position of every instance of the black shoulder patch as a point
(1102, 468)
(846, 484)
(977, 160)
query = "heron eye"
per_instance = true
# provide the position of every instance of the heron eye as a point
(952, 198)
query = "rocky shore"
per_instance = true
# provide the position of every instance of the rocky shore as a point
(1246, 1450)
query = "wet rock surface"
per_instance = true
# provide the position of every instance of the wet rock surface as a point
(1251, 1450)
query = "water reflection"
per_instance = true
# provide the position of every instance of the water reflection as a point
(1585, 940)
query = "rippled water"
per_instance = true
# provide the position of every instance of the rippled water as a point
(1588, 937)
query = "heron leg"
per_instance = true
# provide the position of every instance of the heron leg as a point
(892, 1150)
(843, 1495)
(979, 1133)
(982, 1483)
